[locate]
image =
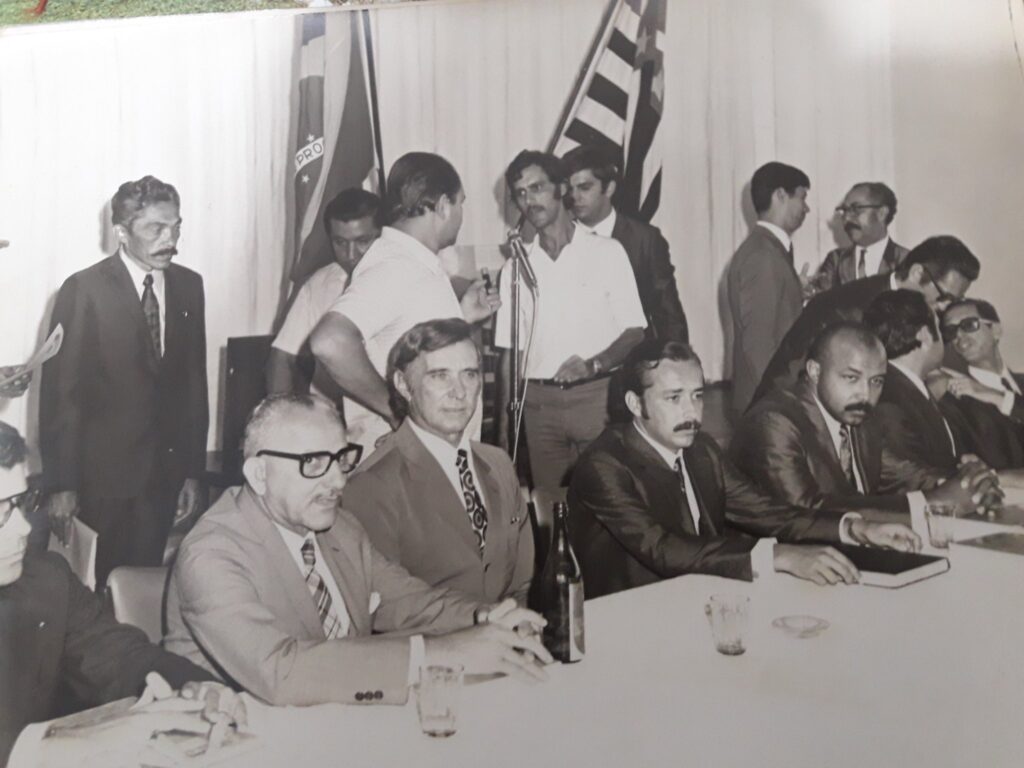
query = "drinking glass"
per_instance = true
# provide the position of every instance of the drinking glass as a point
(728, 617)
(437, 699)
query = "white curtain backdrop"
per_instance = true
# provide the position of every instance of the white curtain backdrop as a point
(205, 102)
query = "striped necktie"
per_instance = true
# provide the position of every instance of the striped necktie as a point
(471, 497)
(846, 454)
(318, 589)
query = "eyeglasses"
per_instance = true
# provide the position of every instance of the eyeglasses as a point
(944, 295)
(967, 325)
(27, 501)
(855, 208)
(317, 463)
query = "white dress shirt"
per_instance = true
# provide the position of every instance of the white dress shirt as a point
(995, 381)
(293, 543)
(781, 235)
(312, 301)
(446, 455)
(762, 556)
(835, 429)
(604, 227)
(138, 276)
(872, 256)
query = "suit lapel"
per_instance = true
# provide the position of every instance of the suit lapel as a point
(127, 297)
(927, 412)
(848, 265)
(823, 438)
(888, 258)
(344, 567)
(661, 481)
(702, 478)
(496, 529)
(172, 313)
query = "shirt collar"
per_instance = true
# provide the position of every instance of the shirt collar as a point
(917, 380)
(990, 379)
(605, 226)
(444, 452)
(292, 540)
(781, 234)
(413, 247)
(893, 285)
(138, 274)
(668, 456)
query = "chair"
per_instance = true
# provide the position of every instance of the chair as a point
(244, 387)
(137, 597)
(543, 500)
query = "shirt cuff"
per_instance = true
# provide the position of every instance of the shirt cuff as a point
(844, 536)
(762, 558)
(917, 504)
(26, 749)
(1006, 407)
(417, 655)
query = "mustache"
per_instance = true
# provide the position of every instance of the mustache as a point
(167, 252)
(687, 426)
(864, 408)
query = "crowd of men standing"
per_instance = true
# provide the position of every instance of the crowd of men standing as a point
(374, 532)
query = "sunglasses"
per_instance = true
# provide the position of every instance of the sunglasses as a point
(967, 325)
(317, 463)
(27, 502)
(855, 208)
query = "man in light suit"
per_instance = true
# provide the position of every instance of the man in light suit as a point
(866, 213)
(765, 293)
(278, 589)
(593, 179)
(123, 412)
(444, 507)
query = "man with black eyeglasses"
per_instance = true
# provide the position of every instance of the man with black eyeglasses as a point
(940, 268)
(277, 589)
(865, 214)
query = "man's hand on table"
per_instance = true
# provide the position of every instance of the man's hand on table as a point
(974, 486)
(818, 563)
(884, 535)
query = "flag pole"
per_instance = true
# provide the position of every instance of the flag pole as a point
(371, 74)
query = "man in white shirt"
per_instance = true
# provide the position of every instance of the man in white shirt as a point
(279, 590)
(655, 498)
(445, 507)
(584, 320)
(400, 282)
(352, 221)
(866, 213)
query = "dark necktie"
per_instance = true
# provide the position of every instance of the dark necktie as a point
(790, 252)
(862, 270)
(685, 509)
(1008, 385)
(471, 497)
(151, 309)
(846, 454)
(318, 589)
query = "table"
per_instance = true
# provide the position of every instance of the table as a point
(928, 675)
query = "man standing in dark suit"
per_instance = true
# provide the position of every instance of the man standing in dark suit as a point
(655, 498)
(940, 268)
(866, 213)
(593, 179)
(765, 293)
(123, 413)
(819, 445)
(444, 507)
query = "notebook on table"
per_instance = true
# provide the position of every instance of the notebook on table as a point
(890, 568)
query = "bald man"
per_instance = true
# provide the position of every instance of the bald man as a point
(817, 444)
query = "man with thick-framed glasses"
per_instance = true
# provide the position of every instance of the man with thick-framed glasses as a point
(865, 215)
(277, 589)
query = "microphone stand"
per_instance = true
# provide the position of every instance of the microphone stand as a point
(522, 274)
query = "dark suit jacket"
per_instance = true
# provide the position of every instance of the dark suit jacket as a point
(784, 445)
(996, 439)
(765, 298)
(655, 277)
(415, 518)
(110, 412)
(847, 302)
(627, 524)
(840, 265)
(239, 605)
(53, 633)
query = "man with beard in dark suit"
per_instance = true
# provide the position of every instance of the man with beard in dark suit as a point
(655, 498)
(123, 413)
(941, 269)
(593, 179)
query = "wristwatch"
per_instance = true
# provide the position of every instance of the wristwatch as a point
(481, 615)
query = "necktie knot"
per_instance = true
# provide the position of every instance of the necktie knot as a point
(147, 281)
(679, 471)
(309, 553)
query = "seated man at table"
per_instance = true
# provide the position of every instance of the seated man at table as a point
(57, 638)
(655, 498)
(278, 589)
(818, 445)
(444, 507)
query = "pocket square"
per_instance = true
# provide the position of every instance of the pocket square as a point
(374, 601)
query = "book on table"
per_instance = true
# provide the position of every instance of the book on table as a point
(891, 568)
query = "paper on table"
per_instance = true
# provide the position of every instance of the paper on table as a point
(80, 551)
(49, 348)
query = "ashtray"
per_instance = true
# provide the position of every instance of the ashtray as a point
(801, 626)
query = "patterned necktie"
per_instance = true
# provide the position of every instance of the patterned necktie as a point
(471, 496)
(685, 505)
(151, 309)
(846, 454)
(862, 270)
(318, 589)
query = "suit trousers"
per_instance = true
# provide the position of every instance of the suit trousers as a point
(131, 531)
(560, 424)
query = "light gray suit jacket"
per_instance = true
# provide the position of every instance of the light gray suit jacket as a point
(415, 518)
(238, 605)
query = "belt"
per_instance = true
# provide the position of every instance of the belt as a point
(569, 384)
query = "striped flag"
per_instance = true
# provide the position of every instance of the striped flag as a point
(337, 142)
(618, 101)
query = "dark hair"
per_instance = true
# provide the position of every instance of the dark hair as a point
(772, 176)
(858, 332)
(271, 406)
(896, 317)
(429, 336)
(587, 157)
(132, 196)
(12, 446)
(985, 310)
(881, 194)
(941, 255)
(646, 356)
(416, 182)
(351, 204)
(547, 162)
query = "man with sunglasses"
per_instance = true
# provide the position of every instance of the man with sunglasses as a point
(940, 268)
(865, 214)
(441, 505)
(278, 590)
